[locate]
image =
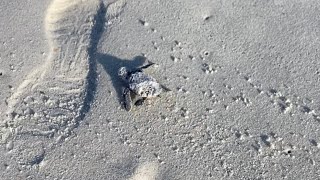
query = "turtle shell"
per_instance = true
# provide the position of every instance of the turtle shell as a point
(144, 85)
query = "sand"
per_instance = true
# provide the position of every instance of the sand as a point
(244, 77)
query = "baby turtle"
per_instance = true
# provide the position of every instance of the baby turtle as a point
(140, 85)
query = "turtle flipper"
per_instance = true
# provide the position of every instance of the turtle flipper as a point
(127, 99)
(165, 88)
(140, 102)
(146, 66)
(139, 69)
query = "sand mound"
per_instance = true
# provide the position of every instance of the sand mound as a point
(146, 171)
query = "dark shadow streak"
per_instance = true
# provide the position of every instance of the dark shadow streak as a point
(111, 65)
(97, 31)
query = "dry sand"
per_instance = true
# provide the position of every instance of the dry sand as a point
(244, 77)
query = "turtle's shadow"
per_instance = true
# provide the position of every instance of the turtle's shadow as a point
(111, 65)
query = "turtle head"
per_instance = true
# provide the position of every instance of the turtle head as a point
(123, 72)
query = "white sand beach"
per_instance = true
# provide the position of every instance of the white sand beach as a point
(244, 79)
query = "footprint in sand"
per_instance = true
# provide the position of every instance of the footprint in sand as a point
(55, 96)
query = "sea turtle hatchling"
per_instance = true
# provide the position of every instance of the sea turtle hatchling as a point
(139, 85)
